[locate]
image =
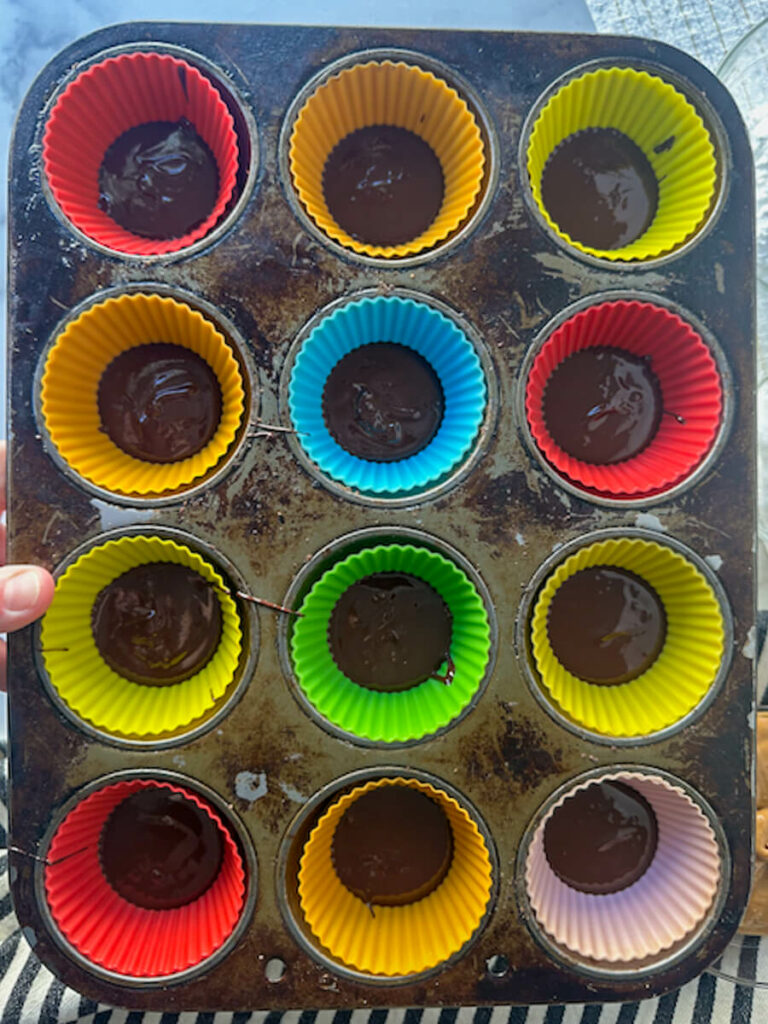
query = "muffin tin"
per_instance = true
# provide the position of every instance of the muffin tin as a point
(272, 518)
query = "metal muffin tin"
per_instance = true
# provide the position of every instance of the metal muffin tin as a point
(266, 273)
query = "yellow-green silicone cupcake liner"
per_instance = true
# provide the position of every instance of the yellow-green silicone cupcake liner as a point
(687, 664)
(663, 123)
(388, 93)
(70, 385)
(89, 687)
(409, 714)
(402, 940)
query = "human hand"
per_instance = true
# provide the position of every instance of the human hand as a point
(25, 590)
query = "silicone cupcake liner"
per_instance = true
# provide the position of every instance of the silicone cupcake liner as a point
(70, 385)
(402, 940)
(84, 681)
(691, 391)
(659, 910)
(104, 102)
(650, 112)
(120, 936)
(409, 714)
(396, 94)
(439, 341)
(686, 667)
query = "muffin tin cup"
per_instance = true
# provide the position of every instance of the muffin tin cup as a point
(663, 907)
(691, 394)
(94, 692)
(662, 123)
(684, 671)
(402, 940)
(70, 383)
(410, 714)
(117, 935)
(433, 336)
(394, 93)
(107, 100)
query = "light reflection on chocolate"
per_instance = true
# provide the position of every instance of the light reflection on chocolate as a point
(383, 185)
(159, 179)
(159, 402)
(599, 188)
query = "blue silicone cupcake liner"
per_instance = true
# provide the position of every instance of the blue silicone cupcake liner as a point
(439, 341)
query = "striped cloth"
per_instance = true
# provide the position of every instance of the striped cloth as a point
(30, 994)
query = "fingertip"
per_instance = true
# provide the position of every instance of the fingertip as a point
(26, 592)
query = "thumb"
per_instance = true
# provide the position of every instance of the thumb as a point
(25, 593)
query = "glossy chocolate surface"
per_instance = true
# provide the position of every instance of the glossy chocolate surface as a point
(602, 838)
(606, 625)
(159, 179)
(383, 402)
(159, 402)
(389, 631)
(602, 405)
(599, 188)
(392, 846)
(383, 185)
(159, 850)
(157, 624)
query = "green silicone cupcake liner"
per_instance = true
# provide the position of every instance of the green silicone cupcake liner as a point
(411, 714)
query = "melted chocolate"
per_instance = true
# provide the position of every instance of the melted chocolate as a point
(157, 623)
(383, 185)
(383, 402)
(602, 405)
(606, 625)
(159, 402)
(159, 850)
(159, 179)
(389, 631)
(392, 846)
(599, 188)
(602, 838)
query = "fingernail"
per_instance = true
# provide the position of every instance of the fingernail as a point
(21, 591)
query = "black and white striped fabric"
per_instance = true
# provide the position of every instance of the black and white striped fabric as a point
(30, 994)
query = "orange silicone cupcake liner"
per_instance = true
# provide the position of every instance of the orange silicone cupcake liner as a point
(691, 394)
(107, 100)
(115, 934)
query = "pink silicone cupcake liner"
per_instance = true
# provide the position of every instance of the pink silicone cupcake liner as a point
(690, 386)
(661, 908)
(104, 102)
(120, 936)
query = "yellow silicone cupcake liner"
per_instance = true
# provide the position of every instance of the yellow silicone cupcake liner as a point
(70, 384)
(400, 940)
(651, 112)
(687, 664)
(84, 681)
(395, 94)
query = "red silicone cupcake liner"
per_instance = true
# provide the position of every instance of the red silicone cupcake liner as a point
(690, 387)
(115, 934)
(104, 102)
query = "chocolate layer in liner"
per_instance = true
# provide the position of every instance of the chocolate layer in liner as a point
(159, 850)
(602, 405)
(599, 188)
(390, 631)
(157, 624)
(602, 838)
(383, 402)
(159, 402)
(393, 845)
(383, 185)
(606, 625)
(159, 179)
